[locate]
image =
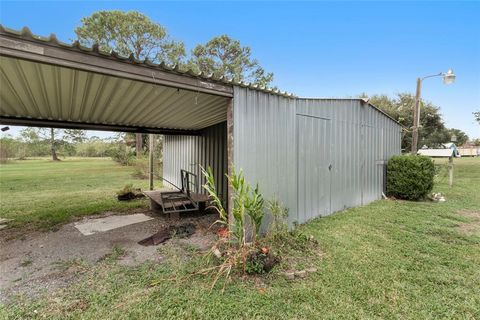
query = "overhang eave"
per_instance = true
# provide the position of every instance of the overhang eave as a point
(49, 53)
(45, 123)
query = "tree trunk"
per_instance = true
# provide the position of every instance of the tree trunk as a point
(52, 143)
(139, 144)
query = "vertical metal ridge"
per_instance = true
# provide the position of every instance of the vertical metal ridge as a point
(193, 152)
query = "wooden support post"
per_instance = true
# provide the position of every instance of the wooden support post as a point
(230, 158)
(450, 171)
(139, 144)
(416, 117)
(151, 138)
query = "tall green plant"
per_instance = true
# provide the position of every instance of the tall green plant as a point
(254, 204)
(279, 213)
(212, 191)
(247, 202)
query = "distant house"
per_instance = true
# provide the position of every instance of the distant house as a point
(438, 153)
(452, 146)
(448, 150)
(469, 151)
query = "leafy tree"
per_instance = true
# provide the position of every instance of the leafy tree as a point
(9, 148)
(476, 115)
(130, 33)
(74, 135)
(432, 131)
(462, 137)
(225, 56)
(39, 138)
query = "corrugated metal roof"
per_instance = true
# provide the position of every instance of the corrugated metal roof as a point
(436, 153)
(48, 92)
(25, 33)
(449, 145)
(76, 84)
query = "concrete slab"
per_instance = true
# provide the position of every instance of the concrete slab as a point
(36, 262)
(109, 223)
(4, 220)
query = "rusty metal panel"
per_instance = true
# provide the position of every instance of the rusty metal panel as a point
(191, 152)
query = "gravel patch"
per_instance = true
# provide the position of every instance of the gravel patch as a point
(39, 262)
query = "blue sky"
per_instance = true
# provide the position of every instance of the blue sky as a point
(317, 49)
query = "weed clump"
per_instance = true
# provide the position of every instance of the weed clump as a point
(243, 250)
(128, 192)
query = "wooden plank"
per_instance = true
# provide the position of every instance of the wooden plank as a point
(230, 164)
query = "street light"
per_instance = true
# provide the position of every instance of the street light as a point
(448, 78)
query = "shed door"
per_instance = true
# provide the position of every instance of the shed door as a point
(373, 164)
(313, 167)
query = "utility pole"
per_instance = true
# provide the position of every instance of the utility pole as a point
(450, 171)
(416, 117)
(448, 78)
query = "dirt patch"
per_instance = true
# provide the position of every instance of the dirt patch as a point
(473, 226)
(45, 261)
(469, 214)
(469, 228)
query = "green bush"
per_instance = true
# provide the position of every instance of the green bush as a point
(410, 177)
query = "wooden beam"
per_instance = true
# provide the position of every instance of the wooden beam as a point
(53, 54)
(230, 163)
(151, 146)
(92, 126)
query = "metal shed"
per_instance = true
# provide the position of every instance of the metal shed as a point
(317, 156)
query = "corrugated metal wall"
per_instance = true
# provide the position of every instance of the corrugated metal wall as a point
(264, 143)
(191, 152)
(277, 141)
(268, 149)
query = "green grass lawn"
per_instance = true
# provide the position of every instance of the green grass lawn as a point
(42, 193)
(386, 260)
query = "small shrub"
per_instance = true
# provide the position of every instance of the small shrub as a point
(123, 154)
(278, 225)
(410, 177)
(260, 261)
(141, 169)
(128, 192)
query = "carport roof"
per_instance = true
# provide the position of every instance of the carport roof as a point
(47, 82)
